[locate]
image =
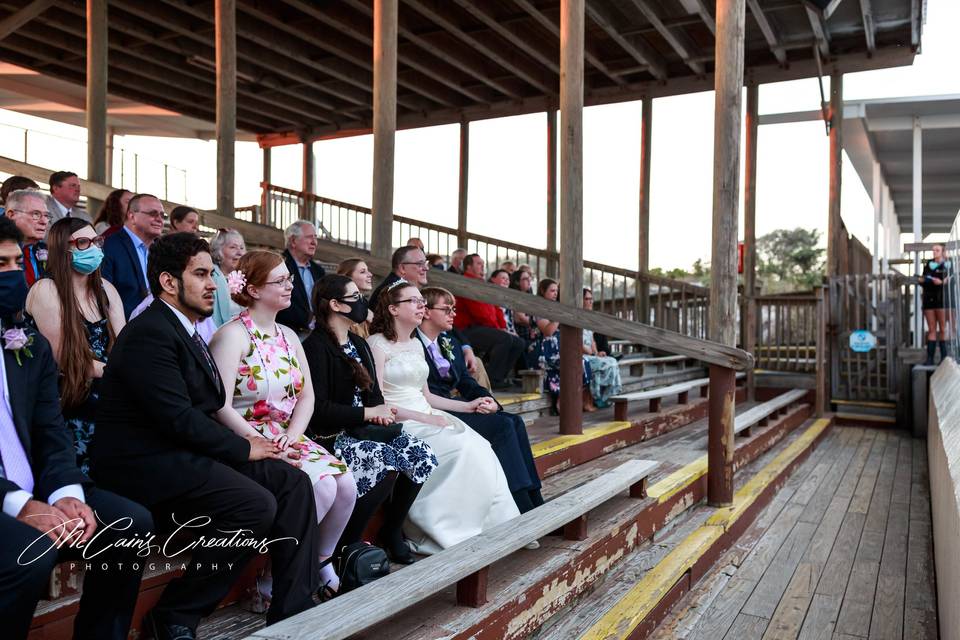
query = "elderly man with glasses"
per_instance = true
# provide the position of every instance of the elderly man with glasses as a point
(301, 239)
(28, 211)
(125, 253)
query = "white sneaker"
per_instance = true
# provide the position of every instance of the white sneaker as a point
(532, 545)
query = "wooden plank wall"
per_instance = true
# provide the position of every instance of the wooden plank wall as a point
(943, 454)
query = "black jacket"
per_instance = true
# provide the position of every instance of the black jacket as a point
(333, 385)
(156, 436)
(35, 403)
(459, 379)
(300, 312)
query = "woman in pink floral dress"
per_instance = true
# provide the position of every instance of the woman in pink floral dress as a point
(264, 364)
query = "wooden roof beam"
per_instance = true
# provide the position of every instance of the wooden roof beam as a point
(292, 110)
(266, 57)
(638, 49)
(536, 80)
(819, 29)
(915, 19)
(508, 34)
(328, 17)
(443, 54)
(343, 50)
(22, 16)
(672, 39)
(120, 84)
(550, 26)
(773, 40)
(869, 27)
(704, 13)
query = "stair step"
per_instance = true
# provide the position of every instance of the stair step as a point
(865, 417)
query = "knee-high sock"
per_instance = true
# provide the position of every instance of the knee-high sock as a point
(404, 493)
(931, 349)
(363, 510)
(943, 350)
(338, 494)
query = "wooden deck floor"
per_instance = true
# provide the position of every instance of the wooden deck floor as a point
(848, 554)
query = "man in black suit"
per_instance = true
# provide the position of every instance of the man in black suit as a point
(301, 238)
(157, 442)
(44, 493)
(448, 373)
(126, 252)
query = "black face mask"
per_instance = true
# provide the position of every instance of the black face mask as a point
(13, 292)
(358, 309)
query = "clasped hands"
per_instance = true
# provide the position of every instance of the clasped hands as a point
(61, 521)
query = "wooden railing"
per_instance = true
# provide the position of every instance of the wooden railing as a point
(669, 304)
(786, 336)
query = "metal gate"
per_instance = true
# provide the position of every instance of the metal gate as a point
(874, 303)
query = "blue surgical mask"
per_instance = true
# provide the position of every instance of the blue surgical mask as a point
(88, 260)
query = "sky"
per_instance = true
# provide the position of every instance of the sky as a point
(507, 190)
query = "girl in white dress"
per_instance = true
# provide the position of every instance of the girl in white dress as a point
(468, 492)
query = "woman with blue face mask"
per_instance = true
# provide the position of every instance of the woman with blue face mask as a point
(80, 314)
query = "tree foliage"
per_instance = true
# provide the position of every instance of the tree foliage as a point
(791, 257)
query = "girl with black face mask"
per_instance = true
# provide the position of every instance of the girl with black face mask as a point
(389, 465)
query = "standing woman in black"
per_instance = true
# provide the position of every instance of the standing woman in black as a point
(931, 280)
(390, 466)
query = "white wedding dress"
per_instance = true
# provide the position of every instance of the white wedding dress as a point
(468, 492)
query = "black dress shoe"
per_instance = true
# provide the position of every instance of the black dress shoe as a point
(397, 549)
(166, 631)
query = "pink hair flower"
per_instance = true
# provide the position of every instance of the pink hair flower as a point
(236, 281)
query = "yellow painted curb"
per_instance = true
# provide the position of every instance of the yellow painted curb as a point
(626, 615)
(563, 442)
(516, 398)
(678, 480)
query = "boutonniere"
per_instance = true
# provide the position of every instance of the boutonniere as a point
(18, 341)
(446, 348)
(42, 256)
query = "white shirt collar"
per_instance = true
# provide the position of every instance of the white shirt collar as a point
(63, 209)
(426, 339)
(189, 326)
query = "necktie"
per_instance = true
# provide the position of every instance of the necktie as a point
(206, 355)
(16, 466)
(443, 365)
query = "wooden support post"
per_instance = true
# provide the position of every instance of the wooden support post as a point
(225, 21)
(265, 186)
(642, 293)
(654, 405)
(472, 590)
(620, 408)
(835, 244)
(384, 124)
(764, 421)
(552, 266)
(639, 489)
(704, 391)
(746, 433)
(464, 183)
(750, 229)
(576, 530)
(683, 397)
(571, 381)
(571, 209)
(822, 355)
(308, 182)
(918, 335)
(728, 81)
(96, 116)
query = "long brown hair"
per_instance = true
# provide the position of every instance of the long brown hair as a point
(382, 320)
(111, 212)
(333, 287)
(75, 354)
(348, 266)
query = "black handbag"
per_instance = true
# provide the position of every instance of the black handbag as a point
(361, 563)
(375, 432)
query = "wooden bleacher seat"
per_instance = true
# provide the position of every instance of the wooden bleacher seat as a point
(680, 389)
(464, 564)
(759, 414)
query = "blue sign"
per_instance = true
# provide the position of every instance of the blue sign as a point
(862, 341)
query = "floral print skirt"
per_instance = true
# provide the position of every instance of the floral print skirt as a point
(315, 460)
(371, 461)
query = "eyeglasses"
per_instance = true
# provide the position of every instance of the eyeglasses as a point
(353, 297)
(35, 214)
(159, 214)
(420, 265)
(82, 244)
(283, 281)
(417, 302)
(449, 311)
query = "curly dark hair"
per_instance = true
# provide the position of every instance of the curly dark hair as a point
(333, 287)
(170, 254)
(382, 320)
